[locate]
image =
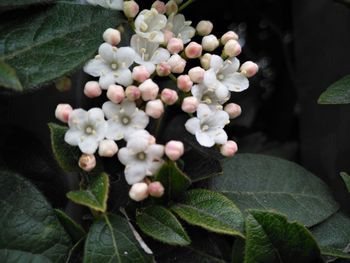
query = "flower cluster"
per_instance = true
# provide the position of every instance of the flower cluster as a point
(161, 46)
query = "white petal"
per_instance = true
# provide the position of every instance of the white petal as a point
(96, 67)
(222, 91)
(203, 111)
(72, 137)
(220, 136)
(106, 52)
(116, 4)
(140, 120)
(204, 139)
(106, 80)
(115, 130)
(88, 145)
(155, 151)
(149, 66)
(77, 118)
(128, 108)
(198, 91)
(138, 141)
(218, 119)
(231, 66)
(135, 172)
(160, 55)
(236, 82)
(110, 109)
(125, 56)
(216, 62)
(154, 166)
(210, 79)
(95, 115)
(192, 125)
(123, 77)
(187, 33)
(124, 156)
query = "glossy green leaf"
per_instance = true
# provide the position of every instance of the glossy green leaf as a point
(271, 238)
(254, 181)
(75, 230)
(14, 256)
(95, 196)
(55, 41)
(111, 239)
(334, 253)
(8, 77)
(337, 93)
(346, 179)
(174, 180)
(211, 211)
(159, 223)
(28, 223)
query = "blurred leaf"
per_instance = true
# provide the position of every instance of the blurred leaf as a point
(28, 223)
(270, 238)
(55, 41)
(75, 230)
(10, 4)
(262, 182)
(346, 179)
(333, 252)
(337, 93)
(8, 77)
(238, 250)
(11, 255)
(96, 194)
(211, 211)
(110, 239)
(159, 223)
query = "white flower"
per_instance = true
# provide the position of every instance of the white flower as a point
(112, 65)
(208, 126)
(86, 129)
(148, 53)
(207, 96)
(123, 119)
(180, 27)
(222, 76)
(140, 159)
(111, 4)
(149, 24)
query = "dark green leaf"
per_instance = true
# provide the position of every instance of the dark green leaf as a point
(8, 77)
(28, 223)
(263, 182)
(346, 179)
(159, 223)
(55, 41)
(95, 196)
(174, 180)
(211, 211)
(238, 250)
(337, 93)
(333, 252)
(20, 3)
(111, 240)
(75, 230)
(14, 256)
(270, 238)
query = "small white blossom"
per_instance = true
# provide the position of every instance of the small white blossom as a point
(180, 27)
(149, 24)
(208, 126)
(86, 129)
(111, 4)
(112, 65)
(148, 53)
(140, 159)
(207, 96)
(123, 119)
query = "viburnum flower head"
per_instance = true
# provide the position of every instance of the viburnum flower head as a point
(111, 4)
(111, 65)
(140, 159)
(149, 24)
(86, 129)
(208, 126)
(123, 119)
(180, 27)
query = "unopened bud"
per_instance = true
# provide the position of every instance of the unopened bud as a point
(174, 150)
(112, 36)
(184, 83)
(163, 69)
(159, 6)
(210, 43)
(62, 112)
(193, 50)
(131, 8)
(230, 35)
(229, 149)
(196, 74)
(92, 89)
(189, 104)
(155, 108)
(177, 64)
(87, 162)
(149, 90)
(171, 7)
(232, 48)
(204, 27)
(138, 192)
(233, 110)
(140, 73)
(132, 93)
(107, 148)
(156, 189)
(249, 69)
(205, 61)
(169, 96)
(175, 45)
(115, 93)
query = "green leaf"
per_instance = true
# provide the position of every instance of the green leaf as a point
(75, 230)
(254, 181)
(346, 179)
(95, 196)
(238, 250)
(173, 179)
(67, 156)
(10, 4)
(211, 211)
(28, 223)
(8, 77)
(110, 239)
(14, 256)
(271, 238)
(55, 41)
(159, 223)
(337, 93)
(333, 252)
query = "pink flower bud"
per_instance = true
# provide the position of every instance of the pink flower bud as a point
(155, 108)
(189, 104)
(177, 64)
(132, 93)
(107, 148)
(233, 110)
(174, 150)
(210, 43)
(249, 69)
(163, 69)
(151, 140)
(149, 90)
(229, 149)
(184, 83)
(156, 189)
(230, 35)
(112, 36)
(87, 162)
(232, 48)
(205, 61)
(62, 112)
(204, 27)
(115, 93)
(138, 192)
(169, 96)
(167, 36)
(196, 74)
(140, 73)
(193, 50)
(159, 6)
(131, 8)
(171, 7)
(175, 45)
(92, 89)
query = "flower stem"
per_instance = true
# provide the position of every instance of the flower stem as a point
(173, 77)
(184, 5)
